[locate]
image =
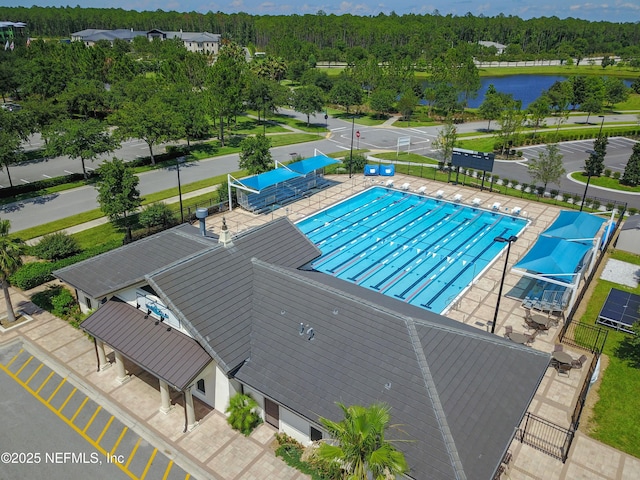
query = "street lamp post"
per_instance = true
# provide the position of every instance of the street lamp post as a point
(601, 124)
(353, 126)
(508, 241)
(589, 173)
(179, 160)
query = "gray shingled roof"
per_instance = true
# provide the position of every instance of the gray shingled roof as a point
(457, 392)
(631, 223)
(166, 353)
(212, 292)
(112, 271)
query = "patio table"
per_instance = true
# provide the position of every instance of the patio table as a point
(518, 337)
(562, 357)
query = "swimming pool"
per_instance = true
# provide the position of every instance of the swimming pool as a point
(417, 249)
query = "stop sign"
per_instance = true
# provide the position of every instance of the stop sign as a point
(358, 134)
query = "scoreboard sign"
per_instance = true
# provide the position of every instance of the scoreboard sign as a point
(471, 159)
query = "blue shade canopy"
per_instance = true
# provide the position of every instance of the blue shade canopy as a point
(371, 170)
(554, 257)
(308, 165)
(267, 179)
(574, 225)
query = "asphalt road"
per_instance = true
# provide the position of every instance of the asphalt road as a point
(419, 140)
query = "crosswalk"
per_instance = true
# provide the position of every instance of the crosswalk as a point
(117, 444)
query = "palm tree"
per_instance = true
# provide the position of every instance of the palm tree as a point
(360, 446)
(10, 261)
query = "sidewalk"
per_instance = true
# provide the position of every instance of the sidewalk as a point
(211, 451)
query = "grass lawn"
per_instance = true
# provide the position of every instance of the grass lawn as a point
(632, 103)
(607, 182)
(405, 157)
(616, 416)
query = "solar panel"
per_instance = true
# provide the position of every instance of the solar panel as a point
(620, 310)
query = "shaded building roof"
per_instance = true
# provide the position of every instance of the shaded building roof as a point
(117, 269)
(166, 353)
(212, 292)
(457, 392)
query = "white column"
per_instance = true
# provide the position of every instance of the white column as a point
(191, 413)
(102, 357)
(165, 399)
(122, 373)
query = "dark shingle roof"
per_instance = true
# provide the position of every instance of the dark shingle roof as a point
(112, 271)
(631, 223)
(166, 353)
(457, 392)
(212, 292)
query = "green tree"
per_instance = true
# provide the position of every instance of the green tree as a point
(381, 101)
(491, 107)
(446, 140)
(346, 93)
(548, 167)
(511, 122)
(538, 111)
(407, 103)
(10, 151)
(10, 260)
(118, 193)
(631, 175)
(308, 99)
(56, 246)
(83, 139)
(255, 156)
(360, 445)
(157, 214)
(594, 165)
(615, 90)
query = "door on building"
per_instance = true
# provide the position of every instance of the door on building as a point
(272, 413)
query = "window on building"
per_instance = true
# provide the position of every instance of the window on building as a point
(88, 302)
(315, 434)
(200, 386)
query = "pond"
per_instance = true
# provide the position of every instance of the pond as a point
(523, 87)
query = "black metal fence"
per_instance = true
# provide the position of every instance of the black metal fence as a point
(582, 397)
(545, 436)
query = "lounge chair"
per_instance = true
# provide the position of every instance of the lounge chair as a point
(579, 362)
(496, 206)
(564, 369)
(457, 198)
(439, 193)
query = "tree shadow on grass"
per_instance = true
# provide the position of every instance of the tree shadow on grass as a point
(629, 350)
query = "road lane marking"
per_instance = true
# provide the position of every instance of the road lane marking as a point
(24, 181)
(67, 400)
(93, 417)
(24, 365)
(104, 430)
(75, 415)
(56, 390)
(35, 372)
(133, 453)
(46, 176)
(65, 420)
(166, 472)
(67, 171)
(46, 380)
(14, 358)
(146, 469)
(115, 447)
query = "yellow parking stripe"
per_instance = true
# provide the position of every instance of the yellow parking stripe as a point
(46, 380)
(64, 404)
(146, 469)
(166, 472)
(35, 372)
(75, 415)
(187, 477)
(133, 452)
(14, 358)
(24, 365)
(66, 420)
(93, 417)
(56, 390)
(104, 430)
(115, 447)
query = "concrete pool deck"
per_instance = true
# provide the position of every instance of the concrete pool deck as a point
(557, 395)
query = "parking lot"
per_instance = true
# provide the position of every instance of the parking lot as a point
(52, 430)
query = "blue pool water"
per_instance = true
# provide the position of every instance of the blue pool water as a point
(416, 249)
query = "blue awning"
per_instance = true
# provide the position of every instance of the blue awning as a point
(308, 165)
(554, 257)
(267, 179)
(574, 225)
(371, 170)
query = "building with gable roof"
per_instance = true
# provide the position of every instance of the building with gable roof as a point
(245, 314)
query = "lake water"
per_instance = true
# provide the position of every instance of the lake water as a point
(523, 87)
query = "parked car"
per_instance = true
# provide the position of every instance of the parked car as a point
(11, 107)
